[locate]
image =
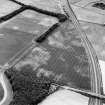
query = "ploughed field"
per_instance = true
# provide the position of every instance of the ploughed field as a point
(60, 59)
(17, 33)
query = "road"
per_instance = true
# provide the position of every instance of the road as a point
(7, 90)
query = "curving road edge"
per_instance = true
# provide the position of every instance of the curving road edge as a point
(8, 94)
